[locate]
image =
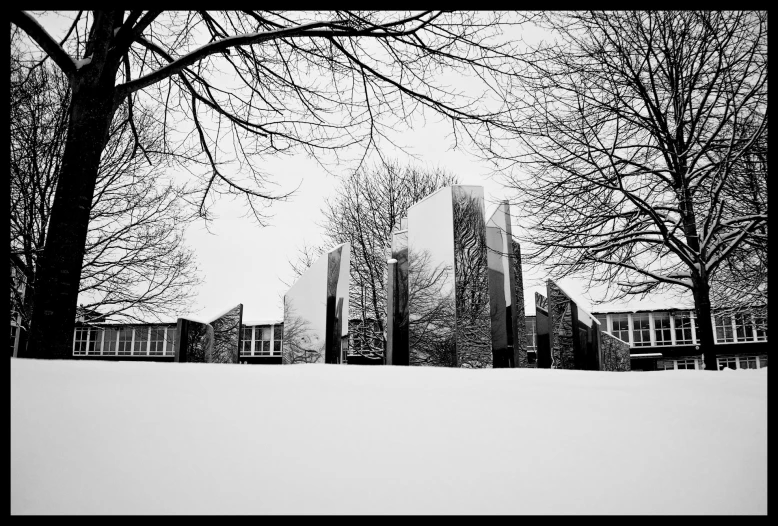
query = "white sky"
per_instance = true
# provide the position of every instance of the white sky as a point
(242, 262)
(91, 437)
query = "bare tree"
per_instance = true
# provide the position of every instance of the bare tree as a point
(432, 324)
(366, 209)
(635, 128)
(136, 265)
(301, 344)
(253, 83)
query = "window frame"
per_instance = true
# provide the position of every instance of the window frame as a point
(644, 342)
(621, 317)
(659, 317)
(727, 323)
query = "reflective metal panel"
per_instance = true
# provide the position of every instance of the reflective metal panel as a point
(226, 337)
(473, 322)
(506, 291)
(448, 280)
(431, 285)
(194, 342)
(397, 302)
(501, 324)
(336, 343)
(315, 310)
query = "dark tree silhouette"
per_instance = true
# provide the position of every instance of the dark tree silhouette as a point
(638, 130)
(136, 265)
(257, 83)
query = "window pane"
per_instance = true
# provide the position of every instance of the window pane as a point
(662, 328)
(620, 326)
(141, 341)
(743, 328)
(683, 328)
(109, 342)
(727, 362)
(245, 344)
(724, 333)
(760, 328)
(748, 362)
(641, 330)
(125, 342)
(530, 325)
(157, 341)
(94, 342)
(79, 343)
(170, 345)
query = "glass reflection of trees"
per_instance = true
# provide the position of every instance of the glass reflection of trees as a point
(225, 337)
(301, 343)
(473, 322)
(431, 331)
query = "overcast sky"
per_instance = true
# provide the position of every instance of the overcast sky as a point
(243, 262)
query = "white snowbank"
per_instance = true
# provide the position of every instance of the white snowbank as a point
(162, 438)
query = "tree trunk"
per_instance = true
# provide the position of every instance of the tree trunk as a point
(59, 267)
(704, 324)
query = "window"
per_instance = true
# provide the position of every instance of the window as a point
(124, 346)
(157, 342)
(683, 327)
(278, 337)
(730, 362)
(665, 365)
(81, 338)
(141, 341)
(93, 348)
(109, 342)
(748, 362)
(686, 364)
(743, 328)
(13, 338)
(620, 326)
(531, 335)
(724, 333)
(170, 341)
(245, 345)
(261, 341)
(603, 319)
(662, 332)
(760, 328)
(641, 330)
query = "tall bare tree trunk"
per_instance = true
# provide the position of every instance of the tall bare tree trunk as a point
(59, 268)
(704, 325)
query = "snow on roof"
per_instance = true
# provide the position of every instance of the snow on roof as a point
(274, 321)
(214, 318)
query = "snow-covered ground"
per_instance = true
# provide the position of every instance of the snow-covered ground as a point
(156, 438)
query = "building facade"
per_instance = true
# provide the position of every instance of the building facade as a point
(667, 339)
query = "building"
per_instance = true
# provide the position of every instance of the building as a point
(667, 338)
(741, 339)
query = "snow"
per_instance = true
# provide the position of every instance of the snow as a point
(262, 321)
(91, 437)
